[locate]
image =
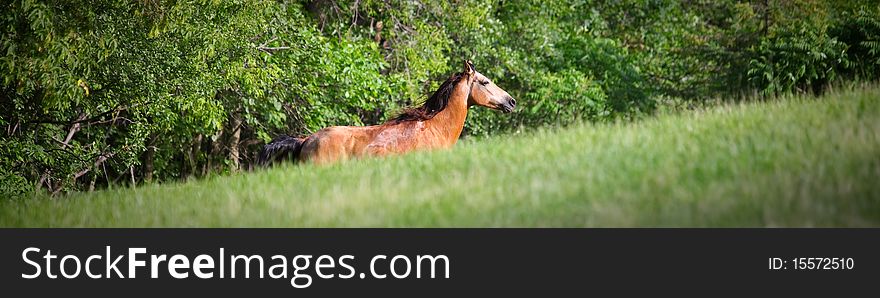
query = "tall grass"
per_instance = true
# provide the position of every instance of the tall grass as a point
(790, 162)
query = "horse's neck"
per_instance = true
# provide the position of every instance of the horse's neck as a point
(448, 124)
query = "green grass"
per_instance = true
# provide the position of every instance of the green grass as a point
(790, 162)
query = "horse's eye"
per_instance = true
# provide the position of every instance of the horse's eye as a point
(484, 83)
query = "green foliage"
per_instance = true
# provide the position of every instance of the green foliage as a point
(859, 28)
(798, 53)
(352, 89)
(616, 71)
(564, 97)
(97, 92)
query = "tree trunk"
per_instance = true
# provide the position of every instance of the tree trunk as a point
(216, 147)
(133, 180)
(192, 153)
(234, 139)
(149, 156)
(94, 179)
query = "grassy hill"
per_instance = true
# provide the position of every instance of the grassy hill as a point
(791, 162)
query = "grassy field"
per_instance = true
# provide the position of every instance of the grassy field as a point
(791, 162)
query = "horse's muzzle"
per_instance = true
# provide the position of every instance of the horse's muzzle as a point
(509, 105)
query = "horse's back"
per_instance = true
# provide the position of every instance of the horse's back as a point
(344, 142)
(336, 143)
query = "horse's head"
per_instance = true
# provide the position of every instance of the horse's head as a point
(485, 93)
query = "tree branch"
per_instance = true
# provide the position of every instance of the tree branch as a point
(90, 119)
(271, 50)
(266, 48)
(73, 129)
(101, 159)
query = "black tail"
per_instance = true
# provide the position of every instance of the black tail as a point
(279, 149)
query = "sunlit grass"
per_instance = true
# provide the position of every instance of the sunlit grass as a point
(790, 162)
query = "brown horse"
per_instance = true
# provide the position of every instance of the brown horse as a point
(435, 124)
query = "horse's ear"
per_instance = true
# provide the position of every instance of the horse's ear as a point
(469, 67)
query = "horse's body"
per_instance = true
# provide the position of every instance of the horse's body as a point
(436, 124)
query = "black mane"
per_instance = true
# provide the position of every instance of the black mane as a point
(435, 104)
